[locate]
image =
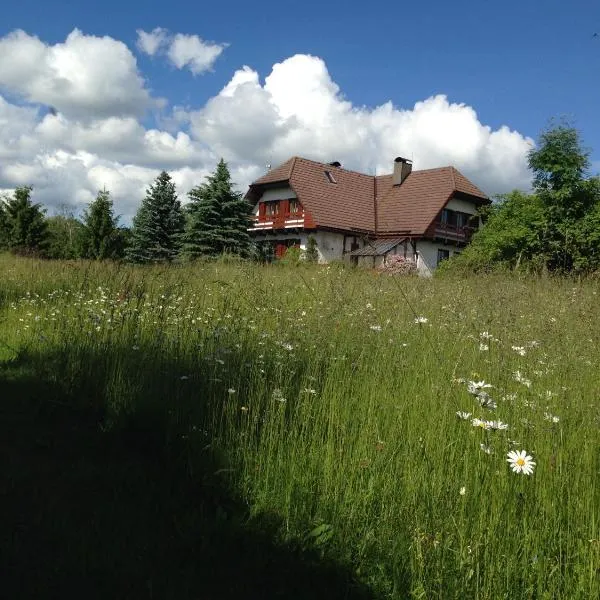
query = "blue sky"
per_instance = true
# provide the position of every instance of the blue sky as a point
(516, 64)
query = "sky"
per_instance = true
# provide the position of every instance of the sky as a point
(107, 95)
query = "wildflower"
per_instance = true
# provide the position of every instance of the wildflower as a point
(309, 391)
(244, 409)
(473, 387)
(486, 335)
(486, 449)
(184, 377)
(486, 401)
(520, 350)
(521, 379)
(375, 327)
(480, 423)
(550, 417)
(231, 391)
(421, 320)
(462, 491)
(483, 347)
(520, 462)
(465, 416)
(278, 395)
(497, 425)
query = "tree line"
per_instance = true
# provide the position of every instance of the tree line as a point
(215, 221)
(555, 227)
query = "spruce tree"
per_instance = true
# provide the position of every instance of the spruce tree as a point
(27, 231)
(158, 224)
(218, 218)
(98, 240)
(3, 225)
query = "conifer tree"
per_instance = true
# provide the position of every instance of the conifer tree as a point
(3, 225)
(98, 239)
(218, 218)
(26, 229)
(158, 224)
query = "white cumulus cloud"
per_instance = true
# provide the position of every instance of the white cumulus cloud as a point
(82, 76)
(182, 50)
(193, 52)
(300, 110)
(151, 42)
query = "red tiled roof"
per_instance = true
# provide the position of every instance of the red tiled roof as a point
(348, 203)
(280, 173)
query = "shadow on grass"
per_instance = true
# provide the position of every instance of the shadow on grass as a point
(100, 514)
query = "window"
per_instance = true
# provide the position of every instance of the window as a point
(442, 255)
(271, 209)
(330, 177)
(448, 217)
(295, 209)
(462, 219)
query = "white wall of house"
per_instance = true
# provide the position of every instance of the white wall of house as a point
(330, 245)
(462, 206)
(427, 256)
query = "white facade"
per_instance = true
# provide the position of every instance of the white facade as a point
(427, 255)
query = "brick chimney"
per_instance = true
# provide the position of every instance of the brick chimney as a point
(402, 169)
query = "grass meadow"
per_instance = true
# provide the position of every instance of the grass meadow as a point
(233, 430)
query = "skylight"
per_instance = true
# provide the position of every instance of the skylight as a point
(330, 176)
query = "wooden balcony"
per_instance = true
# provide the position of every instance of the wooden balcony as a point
(282, 220)
(454, 232)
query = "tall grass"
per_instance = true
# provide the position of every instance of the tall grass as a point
(333, 407)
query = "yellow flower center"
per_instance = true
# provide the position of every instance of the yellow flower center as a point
(520, 461)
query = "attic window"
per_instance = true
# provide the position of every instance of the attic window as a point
(330, 176)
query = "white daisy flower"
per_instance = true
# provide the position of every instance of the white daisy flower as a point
(497, 425)
(520, 462)
(461, 414)
(475, 386)
(375, 327)
(462, 491)
(520, 350)
(486, 401)
(483, 347)
(480, 423)
(550, 417)
(486, 449)
(521, 379)
(421, 320)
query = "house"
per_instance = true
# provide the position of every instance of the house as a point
(424, 216)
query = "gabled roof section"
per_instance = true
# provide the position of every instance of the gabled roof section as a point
(346, 204)
(411, 207)
(280, 173)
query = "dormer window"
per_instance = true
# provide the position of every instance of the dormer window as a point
(330, 177)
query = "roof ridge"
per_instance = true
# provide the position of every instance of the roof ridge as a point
(324, 164)
(292, 166)
(453, 178)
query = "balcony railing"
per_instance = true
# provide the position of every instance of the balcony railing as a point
(280, 220)
(454, 232)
